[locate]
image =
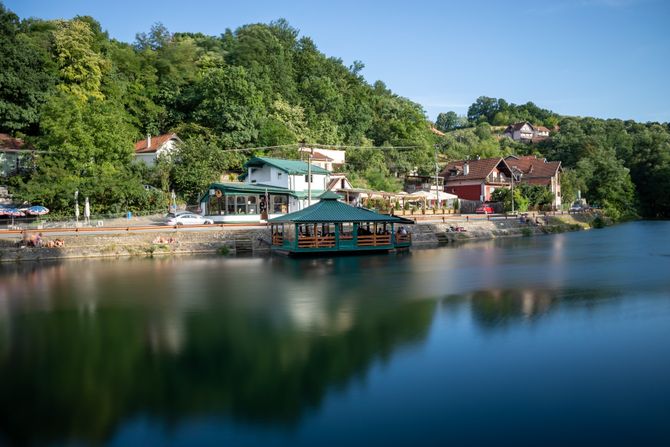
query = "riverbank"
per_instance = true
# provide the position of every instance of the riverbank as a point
(255, 241)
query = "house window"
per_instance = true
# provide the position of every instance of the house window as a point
(278, 174)
(279, 204)
(309, 179)
(252, 207)
(241, 205)
(230, 204)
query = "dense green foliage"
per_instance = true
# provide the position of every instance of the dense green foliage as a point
(621, 166)
(84, 98)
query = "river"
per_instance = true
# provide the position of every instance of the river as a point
(551, 340)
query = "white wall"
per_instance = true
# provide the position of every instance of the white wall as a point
(148, 159)
(268, 175)
(319, 183)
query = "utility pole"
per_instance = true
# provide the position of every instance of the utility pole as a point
(309, 177)
(437, 183)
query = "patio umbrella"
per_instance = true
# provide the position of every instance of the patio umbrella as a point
(13, 212)
(37, 210)
(87, 210)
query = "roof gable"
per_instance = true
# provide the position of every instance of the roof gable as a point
(157, 142)
(477, 169)
(533, 167)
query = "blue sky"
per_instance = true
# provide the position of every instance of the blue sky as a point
(603, 58)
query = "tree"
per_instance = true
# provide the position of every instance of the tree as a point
(447, 121)
(88, 148)
(197, 163)
(81, 68)
(26, 77)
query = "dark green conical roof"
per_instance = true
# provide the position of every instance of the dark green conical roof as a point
(330, 210)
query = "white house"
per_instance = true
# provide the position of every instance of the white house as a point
(328, 159)
(269, 187)
(526, 132)
(148, 150)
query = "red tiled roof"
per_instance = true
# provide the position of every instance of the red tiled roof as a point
(7, 142)
(318, 156)
(156, 143)
(478, 169)
(533, 167)
(518, 126)
(542, 129)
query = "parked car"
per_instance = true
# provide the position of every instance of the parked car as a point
(577, 207)
(484, 209)
(178, 213)
(189, 219)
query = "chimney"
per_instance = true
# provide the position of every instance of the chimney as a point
(466, 168)
(148, 141)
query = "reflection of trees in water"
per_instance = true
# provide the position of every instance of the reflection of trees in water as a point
(499, 308)
(68, 376)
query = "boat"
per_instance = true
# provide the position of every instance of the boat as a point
(331, 226)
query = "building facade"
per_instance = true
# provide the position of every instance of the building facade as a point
(148, 150)
(539, 171)
(270, 187)
(476, 179)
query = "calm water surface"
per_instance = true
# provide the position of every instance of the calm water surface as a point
(555, 340)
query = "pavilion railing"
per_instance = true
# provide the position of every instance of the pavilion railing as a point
(373, 240)
(316, 241)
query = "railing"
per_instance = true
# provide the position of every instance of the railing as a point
(316, 241)
(403, 238)
(373, 240)
(277, 239)
(497, 179)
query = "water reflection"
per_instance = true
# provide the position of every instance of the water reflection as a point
(86, 361)
(87, 346)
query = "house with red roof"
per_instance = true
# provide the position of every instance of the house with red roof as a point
(538, 171)
(526, 132)
(149, 149)
(328, 159)
(476, 179)
(15, 155)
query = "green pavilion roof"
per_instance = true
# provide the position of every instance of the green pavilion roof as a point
(330, 210)
(289, 166)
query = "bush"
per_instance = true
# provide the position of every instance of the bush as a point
(598, 222)
(526, 232)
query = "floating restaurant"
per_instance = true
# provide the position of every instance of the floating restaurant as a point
(333, 226)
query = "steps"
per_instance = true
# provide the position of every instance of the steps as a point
(243, 245)
(442, 238)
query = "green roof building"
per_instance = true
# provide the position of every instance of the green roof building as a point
(269, 187)
(333, 226)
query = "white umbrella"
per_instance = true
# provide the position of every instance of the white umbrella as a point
(87, 210)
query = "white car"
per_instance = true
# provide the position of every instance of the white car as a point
(189, 219)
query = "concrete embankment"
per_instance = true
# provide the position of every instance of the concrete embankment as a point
(231, 240)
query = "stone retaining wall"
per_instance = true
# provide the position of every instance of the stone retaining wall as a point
(252, 241)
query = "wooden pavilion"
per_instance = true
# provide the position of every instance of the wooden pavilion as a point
(333, 226)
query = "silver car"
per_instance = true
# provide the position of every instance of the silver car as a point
(189, 219)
